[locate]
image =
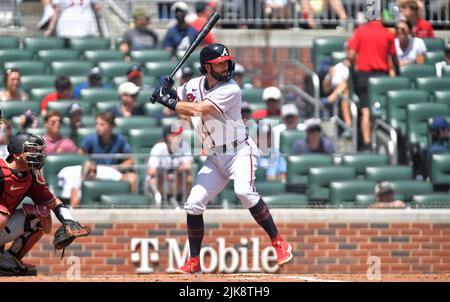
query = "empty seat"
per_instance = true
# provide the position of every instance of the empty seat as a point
(414, 71)
(71, 68)
(152, 109)
(270, 187)
(158, 69)
(324, 47)
(433, 200)
(17, 108)
(55, 55)
(125, 200)
(114, 69)
(338, 56)
(36, 81)
(378, 88)
(286, 200)
(432, 84)
(440, 169)
(397, 102)
(150, 55)
(124, 125)
(320, 178)
(92, 190)
(389, 173)
(101, 55)
(442, 97)
(434, 44)
(96, 95)
(432, 57)
(37, 94)
(42, 43)
(144, 95)
(361, 161)
(287, 139)
(63, 105)
(104, 106)
(409, 188)
(252, 95)
(83, 44)
(346, 191)
(299, 165)
(142, 140)
(14, 55)
(77, 80)
(9, 42)
(446, 71)
(28, 67)
(65, 131)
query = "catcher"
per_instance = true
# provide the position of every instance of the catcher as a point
(20, 178)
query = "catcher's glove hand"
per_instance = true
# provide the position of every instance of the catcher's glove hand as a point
(67, 233)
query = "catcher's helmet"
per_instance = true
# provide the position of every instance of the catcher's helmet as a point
(216, 53)
(33, 145)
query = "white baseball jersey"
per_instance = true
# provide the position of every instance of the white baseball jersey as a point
(222, 126)
(77, 18)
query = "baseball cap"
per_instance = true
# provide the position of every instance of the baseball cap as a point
(439, 123)
(74, 107)
(134, 71)
(384, 187)
(94, 73)
(128, 88)
(239, 69)
(140, 13)
(180, 7)
(289, 109)
(271, 93)
(186, 72)
(313, 123)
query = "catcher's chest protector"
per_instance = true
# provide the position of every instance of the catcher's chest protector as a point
(12, 187)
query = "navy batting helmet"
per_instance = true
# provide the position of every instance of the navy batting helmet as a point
(216, 53)
(33, 145)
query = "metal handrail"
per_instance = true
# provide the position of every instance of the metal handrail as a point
(392, 143)
(337, 121)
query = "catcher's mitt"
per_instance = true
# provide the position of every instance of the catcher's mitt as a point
(67, 233)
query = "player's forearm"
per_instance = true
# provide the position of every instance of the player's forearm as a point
(190, 109)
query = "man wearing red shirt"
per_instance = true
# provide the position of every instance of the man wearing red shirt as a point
(204, 10)
(371, 50)
(421, 27)
(63, 91)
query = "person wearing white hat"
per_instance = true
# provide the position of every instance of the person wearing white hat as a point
(291, 121)
(272, 96)
(128, 93)
(314, 142)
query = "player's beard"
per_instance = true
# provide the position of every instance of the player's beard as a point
(220, 76)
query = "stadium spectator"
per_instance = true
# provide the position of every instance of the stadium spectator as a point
(105, 141)
(246, 111)
(5, 134)
(70, 179)
(310, 9)
(74, 19)
(372, 50)
(335, 86)
(63, 88)
(186, 75)
(181, 35)
(128, 93)
(272, 97)
(141, 37)
(135, 75)
(94, 80)
(420, 27)
(204, 11)
(314, 142)
(271, 160)
(47, 14)
(75, 114)
(11, 82)
(410, 50)
(439, 140)
(169, 163)
(55, 142)
(291, 121)
(239, 77)
(440, 65)
(28, 120)
(384, 197)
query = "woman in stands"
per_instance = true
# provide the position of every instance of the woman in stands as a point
(12, 91)
(410, 50)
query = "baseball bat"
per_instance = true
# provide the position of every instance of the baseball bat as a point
(201, 35)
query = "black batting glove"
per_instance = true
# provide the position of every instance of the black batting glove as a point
(165, 96)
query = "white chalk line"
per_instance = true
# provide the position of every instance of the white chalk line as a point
(298, 277)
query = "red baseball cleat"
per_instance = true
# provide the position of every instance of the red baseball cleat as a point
(192, 266)
(283, 250)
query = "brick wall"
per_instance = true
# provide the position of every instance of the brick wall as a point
(318, 247)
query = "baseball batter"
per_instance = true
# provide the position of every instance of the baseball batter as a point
(213, 102)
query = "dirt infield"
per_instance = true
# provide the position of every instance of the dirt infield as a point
(234, 278)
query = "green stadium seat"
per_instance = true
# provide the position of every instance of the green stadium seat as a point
(37, 94)
(92, 190)
(360, 161)
(96, 95)
(150, 55)
(389, 173)
(15, 55)
(36, 81)
(27, 67)
(434, 200)
(83, 44)
(320, 178)
(417, 117)
(104, 106)
(88, 121)
(338, 56)
(17, 108)
(65, 131)
(124, 125)
(77, 80)
(227, 198)
(158, 69)
(257, 106)
(102, 55)
(57, 55)
(432, 57)
(365, 200)
(299, 165)
(286, 200)
(440, 169)
(168, 121)
(125, 200)
(397, 101)
(270, 187)
(116, 81)
(152, 109)
(324, 47)
(446, 71)
(252, 95)
(142, 140)
(434, 44)
(9, 42)
(432, 84)
(71, 68)
(62, 105)
(114, 69)
(144, 95)
(409, 188)
(192, 60)
(287, 139)
(414, 71)
(42, 43)
(379, 87)
(442, 97)
(55, 163)
(346, 191)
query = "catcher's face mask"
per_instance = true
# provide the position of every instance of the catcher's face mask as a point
(34, 150)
